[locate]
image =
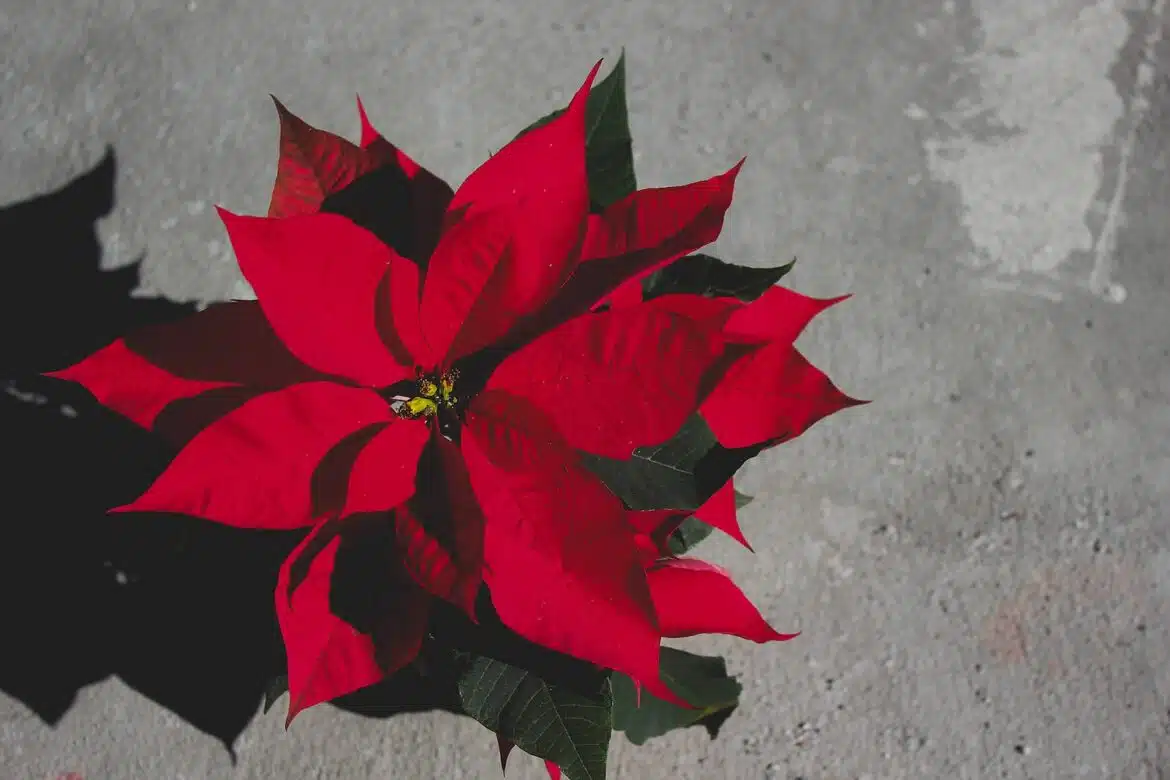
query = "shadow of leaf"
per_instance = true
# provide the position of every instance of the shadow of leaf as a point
(177, 608)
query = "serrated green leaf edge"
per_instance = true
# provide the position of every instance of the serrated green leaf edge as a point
(500, 696)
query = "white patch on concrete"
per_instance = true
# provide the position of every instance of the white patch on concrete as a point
(1043, 70)
(1100, 280)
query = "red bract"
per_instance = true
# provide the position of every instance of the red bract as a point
(690, 596)
(352, 354)
(769, 392)
(315, 164)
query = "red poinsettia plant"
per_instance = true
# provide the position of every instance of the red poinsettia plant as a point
(502, 415)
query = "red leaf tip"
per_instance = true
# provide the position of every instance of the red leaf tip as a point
(281, 108)
(593, 72)
(368, 133)
(579, 99)
(62, 373)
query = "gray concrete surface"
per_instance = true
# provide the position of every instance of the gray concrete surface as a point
(978, 560)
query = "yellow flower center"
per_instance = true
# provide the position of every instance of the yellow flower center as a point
(432, 396)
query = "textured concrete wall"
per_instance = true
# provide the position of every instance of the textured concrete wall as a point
(978, 560)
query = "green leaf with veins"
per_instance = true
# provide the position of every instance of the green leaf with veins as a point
(547, 720)
(666, 476)
(701, 274)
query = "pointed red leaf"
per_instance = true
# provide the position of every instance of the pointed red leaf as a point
(769, 395)
(614, 381)
(779, 315)
(398, 638)
(253, 467)
(140, 375)
(440, 531)
(429, 195)
(397, 315)
(327, 657)
(383, 474)
(537, 184)
(627, 294)
(545, 164)
(560, 561)
(554, 771)
(179, 422)
(194, 348)
(694, 597)
(317, 278)
(369, 134)
(659, 221)
(639, 234)
(314, 164)
(129, 384)
(719, 512)
(177, 377)
(326, 652)
(431, 565)
(463, 279)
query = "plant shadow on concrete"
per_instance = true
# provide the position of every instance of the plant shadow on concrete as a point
(179, 609)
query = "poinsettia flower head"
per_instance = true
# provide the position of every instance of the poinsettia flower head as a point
(461, 385)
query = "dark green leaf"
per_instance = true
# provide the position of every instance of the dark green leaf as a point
(277, 687)
(663, 477)
(548, 721)
(720, 463)
(706, 275)
(609, 153)
(687, 535)
(609, 149)
(701, 680)
(742, 499)
(428, 684)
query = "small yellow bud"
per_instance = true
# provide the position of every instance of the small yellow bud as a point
(421, 407)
